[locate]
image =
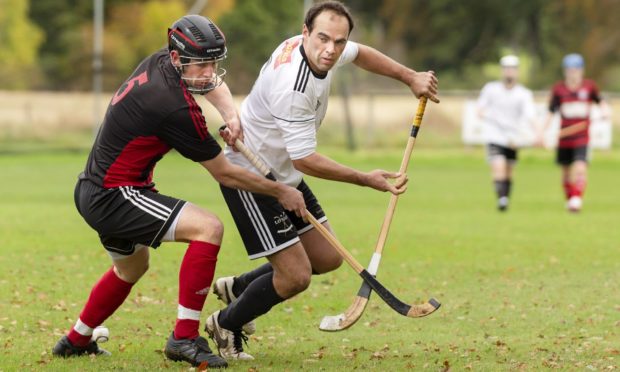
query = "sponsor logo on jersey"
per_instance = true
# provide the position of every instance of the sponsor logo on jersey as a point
(582, 94)
(287, 53)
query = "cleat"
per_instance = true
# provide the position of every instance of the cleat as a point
(195, 351)
(64, 348)
(223, 289)
(574, 204)
(502, 204)
(229, 343)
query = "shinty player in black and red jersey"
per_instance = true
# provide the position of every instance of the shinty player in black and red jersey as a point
(573, 98)
(153, 112)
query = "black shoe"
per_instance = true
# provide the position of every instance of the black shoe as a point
(64, 348)
(196, 352)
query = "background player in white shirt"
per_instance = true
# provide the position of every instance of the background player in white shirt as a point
(507, 108)
(280, 118)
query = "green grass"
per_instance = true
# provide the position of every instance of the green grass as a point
(531, 289)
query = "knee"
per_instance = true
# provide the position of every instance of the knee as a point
(293, 283)
(209, 229)
(215, 227)
(300, 282)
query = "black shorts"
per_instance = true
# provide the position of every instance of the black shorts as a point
(126, 216)
(508, 153)
(264, 225)
(567, 156)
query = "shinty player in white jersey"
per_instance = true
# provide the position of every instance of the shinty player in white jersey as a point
(280, 118)
(506, 107)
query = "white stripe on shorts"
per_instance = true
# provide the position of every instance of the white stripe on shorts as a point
(142, 204)
(257, 220)
(155, 204)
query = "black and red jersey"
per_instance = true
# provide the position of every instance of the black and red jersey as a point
(574, 108)
(150, 114)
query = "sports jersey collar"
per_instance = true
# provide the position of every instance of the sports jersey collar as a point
(314, 73)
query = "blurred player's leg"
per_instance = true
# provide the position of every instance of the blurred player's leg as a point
(499, 169)
(577, 174)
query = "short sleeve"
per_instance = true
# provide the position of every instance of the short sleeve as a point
(595, 94)
(483, 99)
(529, 108)
(186, 131)
(295, 116)
(349, 54)
(554, 101)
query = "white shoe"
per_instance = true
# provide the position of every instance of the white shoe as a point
(223, 289)
(229, 343)
(502, 203)
(574, 204)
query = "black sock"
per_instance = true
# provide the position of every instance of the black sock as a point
(502, 188)
(242, 281)
(257, 299)
(499, 188)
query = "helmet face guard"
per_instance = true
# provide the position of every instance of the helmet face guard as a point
(198, 41)
(202, 85)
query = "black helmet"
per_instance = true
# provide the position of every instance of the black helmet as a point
(198, 40)
(196, 36)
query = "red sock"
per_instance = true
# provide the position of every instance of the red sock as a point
(568, 189)
(195, 278)
(106, 296)
(579, 187)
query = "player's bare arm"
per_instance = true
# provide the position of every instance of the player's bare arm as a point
(236, 177)
(420, 83)
(320, 166)
(222, 100)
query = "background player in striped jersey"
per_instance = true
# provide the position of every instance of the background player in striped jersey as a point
(153, 112)
(280, 119)
(572, 99)
(506, 107)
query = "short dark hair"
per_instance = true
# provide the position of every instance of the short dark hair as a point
(333, 6)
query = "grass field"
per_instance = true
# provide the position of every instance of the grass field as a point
(532, 289)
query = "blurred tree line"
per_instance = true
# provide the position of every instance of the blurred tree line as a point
(48, 44)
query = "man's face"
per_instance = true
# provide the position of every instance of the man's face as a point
(326, 42)
(196, 74)
(573, 74)
(510, 74)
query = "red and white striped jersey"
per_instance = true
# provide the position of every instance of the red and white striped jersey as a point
(574, 107)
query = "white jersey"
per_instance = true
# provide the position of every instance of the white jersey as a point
(506, 112)
(282, 113)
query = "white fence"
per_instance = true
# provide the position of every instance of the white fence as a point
(473, 128)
